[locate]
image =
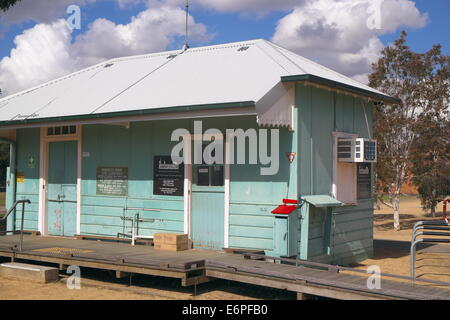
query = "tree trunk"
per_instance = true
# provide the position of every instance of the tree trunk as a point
(396, 207)
(378, 204)
(433, 211)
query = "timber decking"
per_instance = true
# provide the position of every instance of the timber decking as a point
(196, 266)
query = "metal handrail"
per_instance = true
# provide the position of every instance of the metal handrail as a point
(424, 224)
(430, 233)
(21, 221)
(419, 229)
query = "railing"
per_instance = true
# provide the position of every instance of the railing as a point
(441, 229)
(21, 221)
(135, 224)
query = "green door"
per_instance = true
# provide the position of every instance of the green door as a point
(208, 200)
(62, 188)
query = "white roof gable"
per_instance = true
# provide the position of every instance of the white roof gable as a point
(222, 74)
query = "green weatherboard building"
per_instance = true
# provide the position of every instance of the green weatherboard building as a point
(92, 149)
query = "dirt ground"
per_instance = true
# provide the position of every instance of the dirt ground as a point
(391, 254)
(102, 285)
(391, 247)
(410, 213)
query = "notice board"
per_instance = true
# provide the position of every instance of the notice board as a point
(168, 177)
(112, 181)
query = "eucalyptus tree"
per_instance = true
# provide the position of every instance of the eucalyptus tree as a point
(6, 4)
(420, 81)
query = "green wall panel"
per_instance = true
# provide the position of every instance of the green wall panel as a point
(28, 146)
(252, 196)
(321, 112)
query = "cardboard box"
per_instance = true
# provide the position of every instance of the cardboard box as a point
(174, 238)
(171, 247)
(158, 238)
(171, 241)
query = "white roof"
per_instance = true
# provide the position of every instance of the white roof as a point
(214, 75)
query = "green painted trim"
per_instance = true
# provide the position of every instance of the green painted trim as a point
(339, 85)
(321, 201)
(130, 113)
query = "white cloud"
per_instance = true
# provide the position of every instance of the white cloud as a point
(335, 33)
(152, 30)
(41, 53)
(48, 51)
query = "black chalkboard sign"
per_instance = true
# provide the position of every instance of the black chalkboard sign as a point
(168, 177)
(364, 180)
(112, 181)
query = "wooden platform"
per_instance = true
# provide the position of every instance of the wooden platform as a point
(197, 266)
(186, 265)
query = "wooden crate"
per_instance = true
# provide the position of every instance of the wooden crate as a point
(171, 241)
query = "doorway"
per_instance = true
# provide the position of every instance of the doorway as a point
(209, 205)
(62, 188)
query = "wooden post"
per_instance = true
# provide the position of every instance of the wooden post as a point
(302, 296)
(121, 274)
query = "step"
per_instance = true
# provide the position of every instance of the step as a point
(29, 272)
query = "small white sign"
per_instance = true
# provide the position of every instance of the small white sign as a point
(86, 154)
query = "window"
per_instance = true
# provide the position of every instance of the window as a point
(209, 175)
(212, 175)
(62, 130)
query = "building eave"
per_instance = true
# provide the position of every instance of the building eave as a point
(309, 78)
(119, 116)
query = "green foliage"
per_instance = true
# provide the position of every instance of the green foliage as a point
(409, 133)
(431, 160)
(6, 4)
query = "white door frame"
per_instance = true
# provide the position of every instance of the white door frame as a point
(188, 139)
(43, 175)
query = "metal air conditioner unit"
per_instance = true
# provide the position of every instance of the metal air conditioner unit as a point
(365, 150)
(357, 150)
(346, 149)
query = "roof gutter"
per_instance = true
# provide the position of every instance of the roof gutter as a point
(132, 113)
(340, 86)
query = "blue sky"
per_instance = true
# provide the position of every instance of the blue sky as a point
(327, 31)
(436, 31)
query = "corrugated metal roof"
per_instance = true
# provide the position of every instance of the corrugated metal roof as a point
(221, 74)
